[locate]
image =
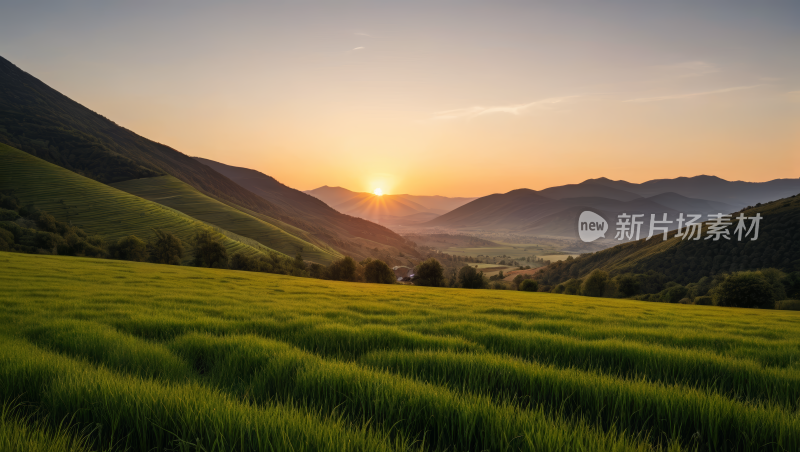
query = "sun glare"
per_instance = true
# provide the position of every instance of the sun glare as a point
(378, 192)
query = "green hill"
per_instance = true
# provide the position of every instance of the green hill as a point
(181, 358)
(173, 193)
(98, 208)
(686, 261)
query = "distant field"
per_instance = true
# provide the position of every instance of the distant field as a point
(171, 192)
(557, 257)
(516, 251)
(98, 208)
(492, 269)
(146, 357)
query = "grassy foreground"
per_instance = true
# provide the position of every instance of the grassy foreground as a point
(134, 356)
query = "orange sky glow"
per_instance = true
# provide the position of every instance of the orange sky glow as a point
(455, 100)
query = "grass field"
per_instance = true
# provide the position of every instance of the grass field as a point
(145, 357)
(173, 193)
(98, 208)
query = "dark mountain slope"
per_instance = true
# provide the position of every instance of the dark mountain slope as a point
(312, 211)
(685, 261)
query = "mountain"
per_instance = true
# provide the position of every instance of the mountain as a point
(585, 189)
(368, 205)
(736, 193)
(362, 233)
(686, 261)
(554, 211)
(44, 123)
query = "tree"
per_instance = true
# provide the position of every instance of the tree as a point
(517, 281)
(529, 285)
(376, 271)
(470, 278)
(429, 273)
(208, 250)
(595, 283)
(342, 270)
(130, 248)
(165, 249)
(744, 290)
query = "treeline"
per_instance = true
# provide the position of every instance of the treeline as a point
(764, 288)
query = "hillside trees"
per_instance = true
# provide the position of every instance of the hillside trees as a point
(529, 285)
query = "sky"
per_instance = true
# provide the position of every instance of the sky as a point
(453, 98)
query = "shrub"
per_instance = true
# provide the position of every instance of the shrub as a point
(497, 285)
(685, 301)
(378, 272)
(529, 285)
(744, 290)
(559, 288)
(165, 249)
(429, 273)
(595, 284)
(704, 300)
(788, 305)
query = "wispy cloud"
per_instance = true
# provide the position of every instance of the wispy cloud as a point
(513, 109)
(690, 95)
(360, 33)
(689, 69)
(357, 48)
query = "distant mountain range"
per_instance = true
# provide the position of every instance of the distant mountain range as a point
(554, 211)
(390, 210)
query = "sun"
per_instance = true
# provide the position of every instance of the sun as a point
(378, 192)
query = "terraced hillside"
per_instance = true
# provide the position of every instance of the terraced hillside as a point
(173, 193)
(146, 357)
(98, 208)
